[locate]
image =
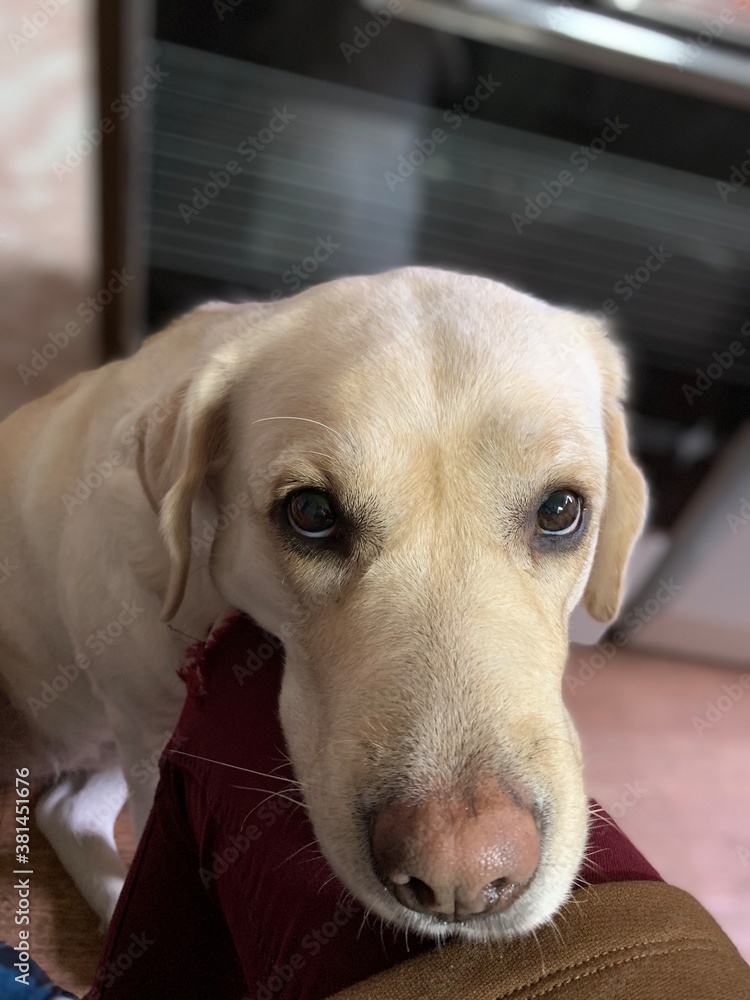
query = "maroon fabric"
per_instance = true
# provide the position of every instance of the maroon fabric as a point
(228, 896)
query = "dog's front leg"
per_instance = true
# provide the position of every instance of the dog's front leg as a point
(142, 722)
(141, 768)
(77, 815)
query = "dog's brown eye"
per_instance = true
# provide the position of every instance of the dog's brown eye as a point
(311, 513)
(560, 514)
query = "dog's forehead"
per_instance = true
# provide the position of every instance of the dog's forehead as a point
(460, 369)
(427, 353)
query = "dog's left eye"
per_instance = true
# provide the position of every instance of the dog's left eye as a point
(311, 513)
(560, 514)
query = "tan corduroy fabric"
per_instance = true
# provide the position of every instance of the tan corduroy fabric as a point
(619, 941)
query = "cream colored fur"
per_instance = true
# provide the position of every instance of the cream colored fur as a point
(440, 410)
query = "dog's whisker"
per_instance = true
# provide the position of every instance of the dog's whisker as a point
(279, 794)
(595, 866)
(272, 795)
(603, 818)
(326, 883)
(366, 914)
(319, 856)
(541, 954)
(298, 851)
(556, 930)
(223, 763)
(589, 854)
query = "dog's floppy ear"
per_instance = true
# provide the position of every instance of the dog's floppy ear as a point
(625, 506)
(176, 456)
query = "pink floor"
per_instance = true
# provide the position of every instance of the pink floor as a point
(681, 791)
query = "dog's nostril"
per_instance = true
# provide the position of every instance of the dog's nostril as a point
(418, 891)
(495, 889)
(501, 893)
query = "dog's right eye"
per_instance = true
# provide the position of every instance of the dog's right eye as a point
(560, 514)
(312, 513)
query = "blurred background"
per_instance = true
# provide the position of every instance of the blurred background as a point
(596, 154)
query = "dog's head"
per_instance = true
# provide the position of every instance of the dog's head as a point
(420, 474)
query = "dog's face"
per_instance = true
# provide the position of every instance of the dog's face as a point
(435, 471)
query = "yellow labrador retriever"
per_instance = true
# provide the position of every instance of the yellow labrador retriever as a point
(411, 479)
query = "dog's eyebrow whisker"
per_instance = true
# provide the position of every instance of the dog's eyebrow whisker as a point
(306, 420)
(248, 770)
